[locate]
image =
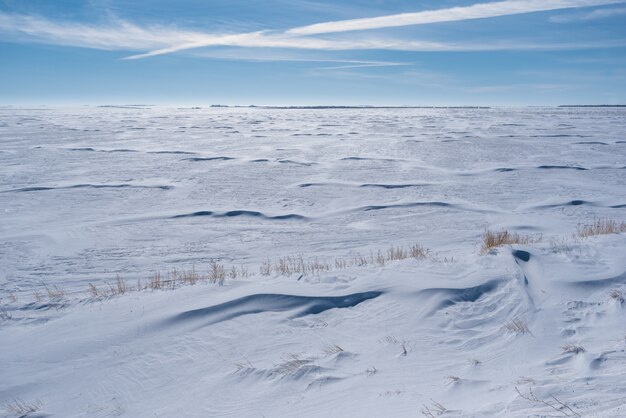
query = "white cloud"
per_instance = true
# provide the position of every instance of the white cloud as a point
(116, 35)
(476, 11)
(121, 35)
(483, 10)
(593, 15)
(265, 55)
(265, 40)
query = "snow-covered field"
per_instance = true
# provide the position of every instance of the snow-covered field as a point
(88, 195)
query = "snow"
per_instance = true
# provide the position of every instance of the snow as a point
(535, 329)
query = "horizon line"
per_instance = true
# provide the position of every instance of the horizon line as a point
(297, 107)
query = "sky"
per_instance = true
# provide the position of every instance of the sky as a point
(313, 52)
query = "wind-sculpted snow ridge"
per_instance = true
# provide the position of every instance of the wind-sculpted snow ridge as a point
(236, 213)
(577, 202)
(255, 304)
(374, 178)
(387, 186)
(232, 262)
(90, 149)
(510, 331)
(88, 186)
(220, 158)
(435, 204)
(172, 152)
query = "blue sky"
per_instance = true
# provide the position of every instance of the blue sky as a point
(309, 52)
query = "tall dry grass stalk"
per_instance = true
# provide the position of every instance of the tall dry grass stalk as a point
(21, 408)
(494, 239)
(298, 265)
(218, 273)
(601, 226)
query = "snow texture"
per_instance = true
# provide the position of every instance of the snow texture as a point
(535, 329)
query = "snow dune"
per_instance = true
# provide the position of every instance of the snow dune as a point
(532, 329)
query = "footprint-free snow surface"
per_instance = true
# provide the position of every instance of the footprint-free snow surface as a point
(92, 194)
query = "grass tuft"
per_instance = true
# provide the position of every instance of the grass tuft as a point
(217, 273)
(555, 403)
(572, 349)
(155, 281)
(54, 292)
(21, 408)
(494, 239)
(452, 379)
(616, 295)
(332, 349)
(517, 326)
(266, 268)
(602, 226)
(95, 292)
(5, 315)
(291, 364)
(435, 410)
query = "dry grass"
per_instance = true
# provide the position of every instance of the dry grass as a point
(54, 292)
(572, 349)
(390, 339)
(332, 349)
(494, 239)
(217, 273)
(235, 272)
(435, 410)
(188, 277)
(155, 281)
(616, 295)
(117, 288)
(21, 408)
(5, 315)
(243, 366)
(517, 326)
(452, 379)
(93, 290)
(38, 296)
(418, 252)
(299, 265)
(266, 268)
(602, 226)
(396, 253)
(556, 404)
(287, 266)
(291, 364)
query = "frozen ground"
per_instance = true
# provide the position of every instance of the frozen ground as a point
(90, 193)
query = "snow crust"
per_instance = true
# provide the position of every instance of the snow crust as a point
(532, 329)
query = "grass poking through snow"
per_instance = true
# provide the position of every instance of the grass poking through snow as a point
(298, 265)
(601, 226)
(572, 349)
(20, 408)
(494, 239)
(517, 326)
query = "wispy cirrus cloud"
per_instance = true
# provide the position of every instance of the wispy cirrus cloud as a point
(476, 11)
(118, 34)
(593, 15)
(252, 55)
